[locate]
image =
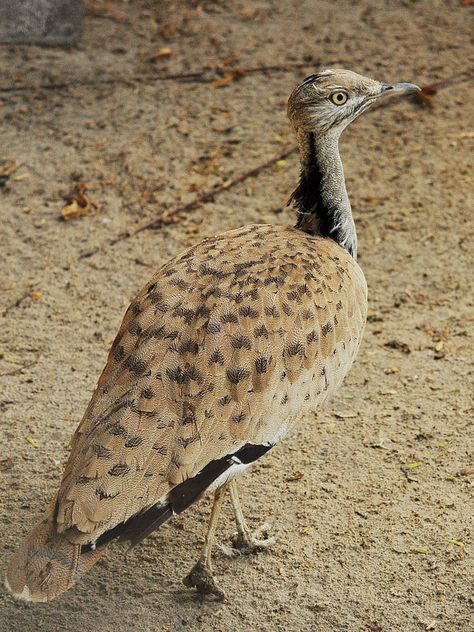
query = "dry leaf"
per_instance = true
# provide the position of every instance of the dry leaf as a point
(398, 226)
(163, 52)
(372, 200)
(400, 346)
(228, 78)
(8, 166)
(222, 129)
(296, 476)
(78, 205)
(425, 97)
(373, 317)
(223, 81)
(230, 61)
(6, 463)
(344, 415)
(169, 30)
(466, 471)
(414, 465)
(21, 177)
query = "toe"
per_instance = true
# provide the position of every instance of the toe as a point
(229, 551)
(260, 540)
(202, 580)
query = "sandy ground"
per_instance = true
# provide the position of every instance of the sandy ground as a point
(372, 499)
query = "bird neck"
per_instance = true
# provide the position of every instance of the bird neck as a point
(321, 198)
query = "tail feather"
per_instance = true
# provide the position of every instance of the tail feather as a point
(46, 564)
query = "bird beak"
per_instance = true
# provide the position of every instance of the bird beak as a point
(401, 89)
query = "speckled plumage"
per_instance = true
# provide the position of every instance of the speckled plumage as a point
(226, 344)
(223, 350)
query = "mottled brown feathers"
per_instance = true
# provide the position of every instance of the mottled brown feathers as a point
(47, 564)
(206, 353)
(227, 345)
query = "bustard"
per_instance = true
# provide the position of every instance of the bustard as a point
(217, 357)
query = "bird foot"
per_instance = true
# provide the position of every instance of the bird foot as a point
(247, 543)
(202, 580)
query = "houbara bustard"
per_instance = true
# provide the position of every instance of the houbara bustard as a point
(217, 358)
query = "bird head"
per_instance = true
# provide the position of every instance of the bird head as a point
(330, 100)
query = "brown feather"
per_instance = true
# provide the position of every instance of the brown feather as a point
(228, 344)
(46, 563)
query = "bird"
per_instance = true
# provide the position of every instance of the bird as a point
(217, 358)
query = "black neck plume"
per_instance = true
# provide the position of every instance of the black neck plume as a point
(313, 214)
(320, 199)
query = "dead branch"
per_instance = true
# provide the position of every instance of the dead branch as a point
(18, 302)
(21, 368)
(202, 198)
(200, 76)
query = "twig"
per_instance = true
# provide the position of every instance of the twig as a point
(19, 369)
(18, 302)
(204, 197)
(443, 83)
(64, 85)
(105, 10)
(409, 478)
(201, 76)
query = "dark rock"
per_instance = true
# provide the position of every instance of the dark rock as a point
(40, 21)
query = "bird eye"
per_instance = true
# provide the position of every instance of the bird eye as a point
(339, 98)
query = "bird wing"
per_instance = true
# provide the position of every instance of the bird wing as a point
(222, 348)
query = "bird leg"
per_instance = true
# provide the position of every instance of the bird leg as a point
(245, 541)
(201, 577)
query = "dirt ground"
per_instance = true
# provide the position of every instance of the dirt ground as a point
(372, 498)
